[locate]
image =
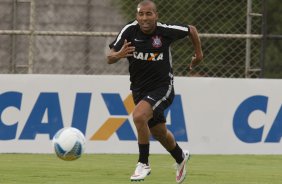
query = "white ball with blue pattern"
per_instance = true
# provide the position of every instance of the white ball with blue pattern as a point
(69, 143)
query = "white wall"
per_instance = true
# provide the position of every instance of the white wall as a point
(220, 116)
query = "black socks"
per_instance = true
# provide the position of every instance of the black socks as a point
(144, 153)
(177, 154)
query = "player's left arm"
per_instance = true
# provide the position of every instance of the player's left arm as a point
(198, 55)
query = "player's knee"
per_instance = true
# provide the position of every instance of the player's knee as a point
(159, 137)
(159, 134)
(139, 118)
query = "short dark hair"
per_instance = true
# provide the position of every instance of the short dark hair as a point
(145, 2)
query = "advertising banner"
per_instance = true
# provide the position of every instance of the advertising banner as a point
(207, 116)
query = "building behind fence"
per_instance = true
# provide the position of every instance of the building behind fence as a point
(72, 37)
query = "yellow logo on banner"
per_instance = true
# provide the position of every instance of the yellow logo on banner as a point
(111, 125)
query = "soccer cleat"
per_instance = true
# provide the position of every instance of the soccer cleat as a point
(181, 168)
(141, 171)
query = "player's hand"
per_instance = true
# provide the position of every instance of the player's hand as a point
(196, 59)
(126, 50)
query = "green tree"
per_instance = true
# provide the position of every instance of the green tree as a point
(273, 52)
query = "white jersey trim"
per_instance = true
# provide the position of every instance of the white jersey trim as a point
(123, 29)
(164, 98)
(182, 28)
(170, 57)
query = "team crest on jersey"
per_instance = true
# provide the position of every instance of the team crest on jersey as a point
(157, 41)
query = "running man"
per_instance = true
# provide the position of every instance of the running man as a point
(145, 42)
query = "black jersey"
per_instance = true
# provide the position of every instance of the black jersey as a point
(150, 66)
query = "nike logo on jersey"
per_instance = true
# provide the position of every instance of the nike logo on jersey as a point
(148, 56)
(137, 40)
(151, 98)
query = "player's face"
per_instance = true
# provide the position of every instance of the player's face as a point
(147, 18)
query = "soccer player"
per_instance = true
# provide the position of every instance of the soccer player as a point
(145, 43)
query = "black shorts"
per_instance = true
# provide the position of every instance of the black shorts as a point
(160, 99)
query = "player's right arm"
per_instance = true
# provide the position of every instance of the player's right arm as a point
(126, 51)
(198, 55)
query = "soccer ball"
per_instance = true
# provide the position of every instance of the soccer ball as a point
(69, 143)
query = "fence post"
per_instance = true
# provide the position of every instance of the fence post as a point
(31, 37)
(248, 40)
(264, 42)
(13, 38)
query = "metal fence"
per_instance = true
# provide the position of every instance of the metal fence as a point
(72, 37)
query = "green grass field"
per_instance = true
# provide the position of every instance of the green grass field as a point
(116, 169)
